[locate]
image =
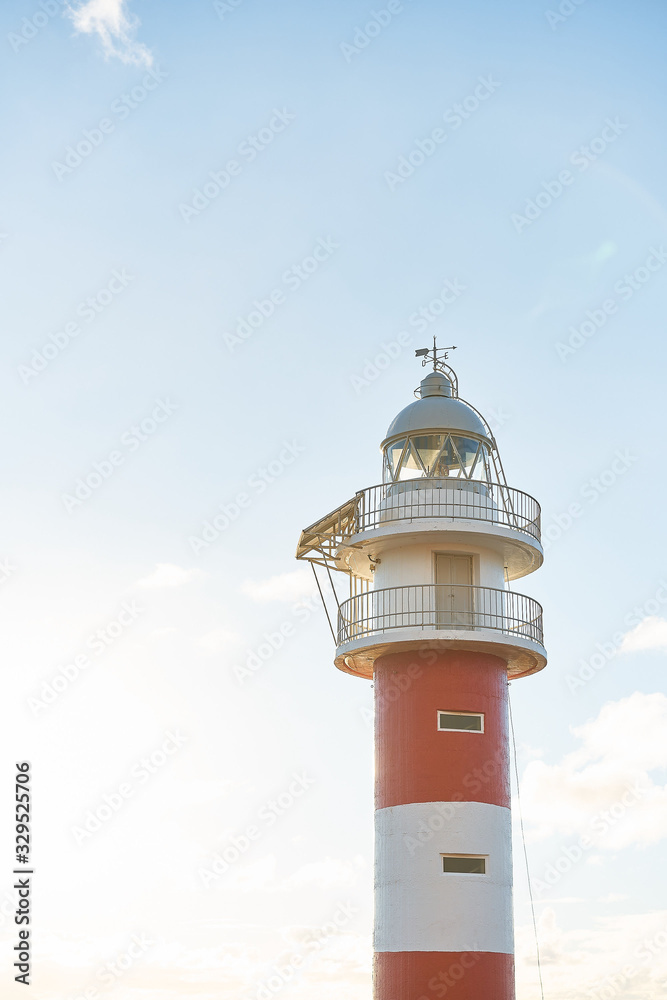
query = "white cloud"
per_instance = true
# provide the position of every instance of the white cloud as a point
(605, 788)
(111, 21)
(622, 956)
(651, 633)
(286, 587)
(167, 575)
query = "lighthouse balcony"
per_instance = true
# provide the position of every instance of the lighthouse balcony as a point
(453, 499)
(481, 512)
(438, 606)
(440, 615)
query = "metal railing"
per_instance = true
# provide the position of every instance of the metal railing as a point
(462, 499)
(440, 606)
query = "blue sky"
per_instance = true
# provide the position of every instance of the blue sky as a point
(579, 420)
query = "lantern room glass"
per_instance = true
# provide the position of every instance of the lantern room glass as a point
(437, 456)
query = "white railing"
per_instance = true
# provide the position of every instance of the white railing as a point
(440, 606)
(447, 498)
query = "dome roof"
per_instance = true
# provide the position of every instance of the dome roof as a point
(436, 410)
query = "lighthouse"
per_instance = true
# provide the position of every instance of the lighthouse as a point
(433, 619)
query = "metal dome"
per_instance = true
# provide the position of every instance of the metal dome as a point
(438, 410)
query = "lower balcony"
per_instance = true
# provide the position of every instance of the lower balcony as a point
(440, 615)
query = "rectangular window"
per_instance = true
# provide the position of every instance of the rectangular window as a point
(461, 722)
(463, 864)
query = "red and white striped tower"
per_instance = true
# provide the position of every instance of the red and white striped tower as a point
(431, 619)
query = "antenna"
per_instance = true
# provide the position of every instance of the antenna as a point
(438, 357)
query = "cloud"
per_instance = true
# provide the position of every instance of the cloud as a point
(605, 789)
(167, 575)
(110, 20)
(616, 957)
(286, 587)
(651, 633)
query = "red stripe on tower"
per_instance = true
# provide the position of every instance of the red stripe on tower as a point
(424, 975)
(415, 761)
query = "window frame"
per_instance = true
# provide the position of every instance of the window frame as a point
(444, 711)
(475, 857)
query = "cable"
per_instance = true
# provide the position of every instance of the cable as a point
(525, 852)
(340, 612)
(326, 611)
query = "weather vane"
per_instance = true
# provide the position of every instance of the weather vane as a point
(438, 362)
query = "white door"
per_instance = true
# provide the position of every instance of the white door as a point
(454, 601)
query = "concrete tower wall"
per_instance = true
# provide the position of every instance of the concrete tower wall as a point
(442, 792)
(409, 564)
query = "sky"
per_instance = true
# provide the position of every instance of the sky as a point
(218, 225)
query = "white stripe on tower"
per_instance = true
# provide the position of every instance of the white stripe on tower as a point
(418, 906)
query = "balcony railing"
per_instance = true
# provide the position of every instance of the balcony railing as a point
(440, 606)
(441, 498)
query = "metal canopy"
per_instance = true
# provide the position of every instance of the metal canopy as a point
(320, 542)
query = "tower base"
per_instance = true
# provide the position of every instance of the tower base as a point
(428, 975)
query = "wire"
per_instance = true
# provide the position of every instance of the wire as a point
(326, 611)
(525, 852)
(332, 586)
(340, 613)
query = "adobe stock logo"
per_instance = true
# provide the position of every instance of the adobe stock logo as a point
(88, 309)
(442, 983)
(627, 286)
(286, 969)
(258, 483)
(377, 22)
(293, 278)
(454, 117)
(566, 8)
(553, 189)
(130, 441)
(599, 826)
(98, 642)
(247, 150)
(420, 319)
(31, 26)
(117, 967)
(239, 845)
(591, 491)
(142, 772)
(92, 138)
(222, 7)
